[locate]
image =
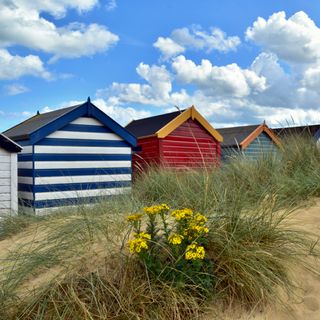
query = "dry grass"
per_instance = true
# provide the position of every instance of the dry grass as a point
(74, 264)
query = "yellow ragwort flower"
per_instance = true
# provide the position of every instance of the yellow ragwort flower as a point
(194, 231)
(196, 227)
(175, 238)
(135, 217)
(200, 219)
(194, 252)
(143, 235)
(140, 242)
(158, 209)
(182, 214)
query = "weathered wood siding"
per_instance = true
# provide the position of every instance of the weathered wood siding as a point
(149, 154)
(81, 162)
(190, 145)
(262, 145)
(8, 182)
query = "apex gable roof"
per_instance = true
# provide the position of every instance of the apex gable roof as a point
(41, 125)
(243, 135)
(23, 130)
(8, 144)
(149, 126)
(162, 125)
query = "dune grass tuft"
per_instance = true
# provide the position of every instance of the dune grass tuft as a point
(75, 264)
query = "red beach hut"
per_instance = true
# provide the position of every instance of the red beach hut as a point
(181, 139)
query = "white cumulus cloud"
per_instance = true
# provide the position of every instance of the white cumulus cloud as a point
(155, 91)
(14, 66)
(168, 47)
(57, 8)
(22, 24)
(295, 39)
(229, 80)
(195, 38)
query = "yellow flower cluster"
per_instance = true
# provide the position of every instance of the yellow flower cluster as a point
(200, 219)
(182, 214)
(135, 217)
(194, 231)
(140, 242)
(162, 208)
(194, 252)
(196, 227)
(175, 238)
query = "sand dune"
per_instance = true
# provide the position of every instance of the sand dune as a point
(306, 304)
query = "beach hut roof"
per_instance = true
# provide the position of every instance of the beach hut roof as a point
(41, 125)
(162, 125)
(310, 130)
(8, 144)
(243, 135)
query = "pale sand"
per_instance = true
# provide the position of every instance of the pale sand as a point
(306, 305)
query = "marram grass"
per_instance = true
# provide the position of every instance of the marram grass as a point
(76, 264)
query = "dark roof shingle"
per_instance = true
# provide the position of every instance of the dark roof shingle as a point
(25, 128)
(8, 144)
(235, 135)
(149, 126)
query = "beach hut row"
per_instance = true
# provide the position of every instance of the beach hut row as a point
(80, 155)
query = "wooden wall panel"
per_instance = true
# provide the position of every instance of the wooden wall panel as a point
(190, 145)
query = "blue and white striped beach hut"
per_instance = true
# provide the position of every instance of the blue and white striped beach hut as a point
(76, 154)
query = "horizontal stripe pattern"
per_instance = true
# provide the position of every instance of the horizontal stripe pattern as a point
(67, 201)
(73, 157)
(84, 135)
(82, 161)
(81, 179)
(74, 194)
(87, 121)
(83, 142)
(86, 128)
(82, 150)
(72, 186)
(76, 164)
(24, 164)
(73, 172)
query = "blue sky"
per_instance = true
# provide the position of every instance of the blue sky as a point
(239, 62)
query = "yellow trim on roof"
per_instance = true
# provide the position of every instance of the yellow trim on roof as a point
(190, 113)
(253, 135)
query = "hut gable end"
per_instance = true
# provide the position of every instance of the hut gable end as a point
(87, 157)
(251, 140)
(189, 145)
(177, 139)
(261, 144)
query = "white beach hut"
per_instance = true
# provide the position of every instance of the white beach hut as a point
(8, 175)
